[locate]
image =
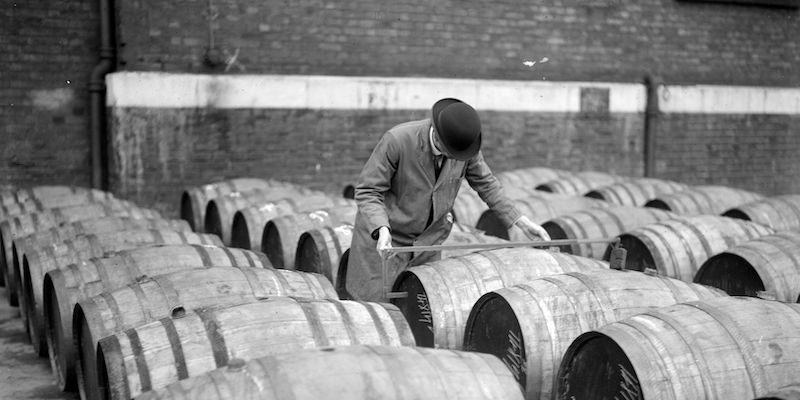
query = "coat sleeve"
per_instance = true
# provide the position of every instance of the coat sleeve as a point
(375, 180)
(480, 178)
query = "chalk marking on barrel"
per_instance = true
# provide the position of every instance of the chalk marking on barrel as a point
(513, 357)
(424, 308)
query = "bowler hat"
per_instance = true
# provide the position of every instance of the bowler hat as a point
(458, 127)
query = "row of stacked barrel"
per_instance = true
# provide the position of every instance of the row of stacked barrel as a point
(136, 330)
(569, 327)
(484, 302)
(124, 301)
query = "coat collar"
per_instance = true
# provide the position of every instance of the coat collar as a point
(425, 153)
(425, 156)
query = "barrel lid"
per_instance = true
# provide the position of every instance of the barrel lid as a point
(416, 307)
(493, 328)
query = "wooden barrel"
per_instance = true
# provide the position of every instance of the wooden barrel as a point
(42, 203)
(281, 234)
(154, 355)
(678, 247)
(354, 373)
(529, 326)
(635, 191)
(723, 348)
(27, 224)
(61, 233)
(92, 277)
(779, 212)
(529, 178)
(600, 223)
(195, 199)
(579, 183)
(703, 200)
(320, 250)
(153, 298)
(441, 293)
(42, 192)
(791, 392)
(220, 212)
(539, 208)
(37, 264)
(769, 263)
(468, 206)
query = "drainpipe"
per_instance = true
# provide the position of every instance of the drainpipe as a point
(651, 115)
(97, 100)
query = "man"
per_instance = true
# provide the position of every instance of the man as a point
(407, 188)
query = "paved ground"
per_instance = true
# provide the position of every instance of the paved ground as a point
(22, 374)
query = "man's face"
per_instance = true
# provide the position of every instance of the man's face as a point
(438, 144)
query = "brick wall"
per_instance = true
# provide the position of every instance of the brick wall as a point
(606, 40)
(160, 151)
(50, 49)
(756, 152)
(46, 53)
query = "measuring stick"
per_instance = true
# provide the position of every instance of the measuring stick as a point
(483, 246)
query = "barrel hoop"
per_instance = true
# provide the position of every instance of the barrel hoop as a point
(95, 245)
(495, 261)
(315, 237)
(203, 253)
(577, 229)
(114, 347)
(769, 266)
(552, 331)
(689, 339)
(668, 268)
(282, 281)
(667, 365)
(251, 262)
(34, 218)
(181, 234)
(75, 271)
(115, 310)
(216, 340)
(171, 294)
(695, 196)
(229, 254)
(792, 205)
(603, 231)
(141, 362)
(599, 293)
(700, 236)
(177, 347)
(257, 288)
(335, 238)
(313, 320)
(754, 368)
(313, 283)
(379, 325)
(348, 321)
(626, 187)
(570, 296)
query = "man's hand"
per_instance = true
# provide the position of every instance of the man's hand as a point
(531, 230)
(384, 242)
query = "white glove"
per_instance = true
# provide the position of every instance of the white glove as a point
(532, 231)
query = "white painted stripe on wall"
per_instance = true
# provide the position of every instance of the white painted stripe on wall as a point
(706, 99)
(163, 90)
